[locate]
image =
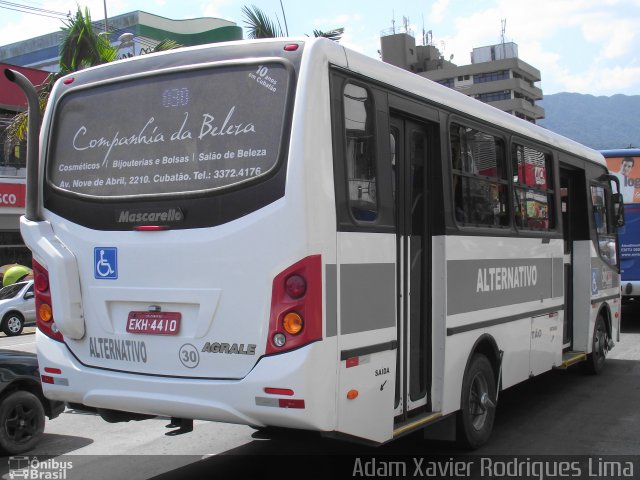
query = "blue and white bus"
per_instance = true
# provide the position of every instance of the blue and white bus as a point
(289, 233)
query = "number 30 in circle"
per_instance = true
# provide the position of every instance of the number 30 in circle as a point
(189, 355)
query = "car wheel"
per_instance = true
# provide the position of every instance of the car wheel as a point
(12, 324)
(21, 422)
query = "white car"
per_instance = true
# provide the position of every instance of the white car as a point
(17, 307)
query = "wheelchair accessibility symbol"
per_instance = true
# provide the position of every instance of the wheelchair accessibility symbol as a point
(105, 261)
(594, 280)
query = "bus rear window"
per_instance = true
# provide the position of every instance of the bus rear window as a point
(170, 133)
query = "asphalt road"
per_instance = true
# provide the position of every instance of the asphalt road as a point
(561, 413)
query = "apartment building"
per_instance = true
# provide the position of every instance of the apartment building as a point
(495, 75)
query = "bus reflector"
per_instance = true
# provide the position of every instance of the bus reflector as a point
(290, 403)
(54, 381)
(279, 391)
(353, 362)
(352, 394)
(150, 228)
(52, 370)
(291, 47)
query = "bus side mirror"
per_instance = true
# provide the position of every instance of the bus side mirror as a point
(618, 209)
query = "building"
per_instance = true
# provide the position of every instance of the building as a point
(496, 75)
(135, 32)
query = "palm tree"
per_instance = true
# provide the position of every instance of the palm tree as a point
(259, 25)
(82, 47)
(335, 34)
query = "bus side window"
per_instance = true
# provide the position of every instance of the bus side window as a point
(532, 188)
(480, 184)
(360, 153)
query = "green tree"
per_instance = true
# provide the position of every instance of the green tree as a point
(82, 47)
(259, 25)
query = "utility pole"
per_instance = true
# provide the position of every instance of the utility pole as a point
(106, 26)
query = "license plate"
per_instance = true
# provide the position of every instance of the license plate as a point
(154, 323)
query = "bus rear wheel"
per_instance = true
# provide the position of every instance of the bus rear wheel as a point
(599, 348)
(477, 412)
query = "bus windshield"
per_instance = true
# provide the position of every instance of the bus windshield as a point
(191, 130)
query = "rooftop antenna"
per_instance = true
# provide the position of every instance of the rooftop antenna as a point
(424, 34)
(405, 21)
(393, 21)
(503, 23)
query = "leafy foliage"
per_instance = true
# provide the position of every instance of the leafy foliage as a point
(165, 45)
(82, 47)
(260, 25)
(335, 34)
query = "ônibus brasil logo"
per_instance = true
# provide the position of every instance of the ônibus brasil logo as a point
(171, 215)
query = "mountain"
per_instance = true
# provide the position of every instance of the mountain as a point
(598, 122)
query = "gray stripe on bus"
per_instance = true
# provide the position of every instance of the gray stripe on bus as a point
(367, 297)
(331, 276)
(480, 284)
(558, 278)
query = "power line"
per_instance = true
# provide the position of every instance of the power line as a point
(17, 7)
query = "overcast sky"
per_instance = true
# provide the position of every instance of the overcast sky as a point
(584, 46)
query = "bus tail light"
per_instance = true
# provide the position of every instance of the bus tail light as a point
(296, 306)
(44, 313)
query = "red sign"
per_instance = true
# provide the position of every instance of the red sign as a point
(12, 194)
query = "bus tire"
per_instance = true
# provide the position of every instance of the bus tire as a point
(21, 422)
(599, 348)
(477, 407)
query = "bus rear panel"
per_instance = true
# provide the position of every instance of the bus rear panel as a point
(177, 271)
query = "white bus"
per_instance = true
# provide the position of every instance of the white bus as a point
(289, 233)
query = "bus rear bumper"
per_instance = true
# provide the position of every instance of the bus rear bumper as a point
(244, 401)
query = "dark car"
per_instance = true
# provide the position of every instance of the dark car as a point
(22, 404)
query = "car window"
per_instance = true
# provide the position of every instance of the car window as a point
(10, 291)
